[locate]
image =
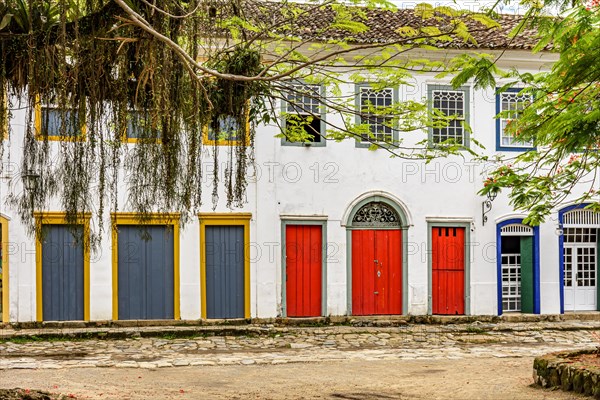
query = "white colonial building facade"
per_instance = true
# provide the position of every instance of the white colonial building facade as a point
(329, 228)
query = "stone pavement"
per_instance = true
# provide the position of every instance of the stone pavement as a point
(172, 346)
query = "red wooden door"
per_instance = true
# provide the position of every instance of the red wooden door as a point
(448, 270)
(376, 272)
(303, 261)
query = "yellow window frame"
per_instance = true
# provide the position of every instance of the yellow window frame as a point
(4, 129)
(126, 139)
(5, 286)
(128, 218)
(59, 218)
(39, 135)
(225, 142)
(235, 219)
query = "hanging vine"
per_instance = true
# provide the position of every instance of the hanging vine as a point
(104, 75)
(168, 74)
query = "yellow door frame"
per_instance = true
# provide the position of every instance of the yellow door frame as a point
(5, 242)
(236, 219)
(125, 218)
(59, 218)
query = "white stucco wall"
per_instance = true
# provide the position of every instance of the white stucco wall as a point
(324, 181)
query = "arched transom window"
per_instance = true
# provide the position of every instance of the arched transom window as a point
(376, 214)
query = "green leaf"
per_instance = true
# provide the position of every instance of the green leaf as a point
(485, 20)
(406, 31)
(424, 10)
(5, 21)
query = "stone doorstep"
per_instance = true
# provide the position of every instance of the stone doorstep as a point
(382, 320)
(238, 327)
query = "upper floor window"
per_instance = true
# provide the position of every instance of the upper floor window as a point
(141, 126)
(57, 124)
(509, 105)
(374, 111)
(453, 103)
(224, 131)
(304, 114)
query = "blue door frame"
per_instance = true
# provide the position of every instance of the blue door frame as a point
(536, 263)
(561, 252)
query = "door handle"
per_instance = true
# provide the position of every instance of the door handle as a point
(375, 292)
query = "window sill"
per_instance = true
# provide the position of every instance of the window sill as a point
(514, 149)
(285, 142)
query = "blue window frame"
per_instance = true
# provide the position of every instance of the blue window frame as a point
(510, 102)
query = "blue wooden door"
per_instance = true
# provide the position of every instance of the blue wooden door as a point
(146, 272)
(62, 273)
(224, 247)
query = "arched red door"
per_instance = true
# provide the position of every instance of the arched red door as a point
(376, 261)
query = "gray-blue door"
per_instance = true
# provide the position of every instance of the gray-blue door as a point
(145, 278)
(224, 271)
(62, 273)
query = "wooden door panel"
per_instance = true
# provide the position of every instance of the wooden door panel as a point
(388, 251)
(447, 270)
(363, 276)
(62, 274)
(303, 270)
(376, 272)
(225, 276)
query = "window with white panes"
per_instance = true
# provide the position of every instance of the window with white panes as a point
(304, 110)
(373, 104)
(454, 104)
(579, 256)
(511, 282)
(511, 104)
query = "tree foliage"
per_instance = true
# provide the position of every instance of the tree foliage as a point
(562, 119)
(177, 69)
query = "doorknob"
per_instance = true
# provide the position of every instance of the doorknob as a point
(379, 274)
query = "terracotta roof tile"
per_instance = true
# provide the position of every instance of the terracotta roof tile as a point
(313, 21)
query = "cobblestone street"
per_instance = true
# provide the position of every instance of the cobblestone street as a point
(261, 361)
(277, 345)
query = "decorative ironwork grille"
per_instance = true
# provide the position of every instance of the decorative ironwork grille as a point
(372, 104)
(512, 104)
(452, 104)
(511, 282)
(376, 214)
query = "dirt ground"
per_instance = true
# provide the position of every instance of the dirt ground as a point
(474, 378)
